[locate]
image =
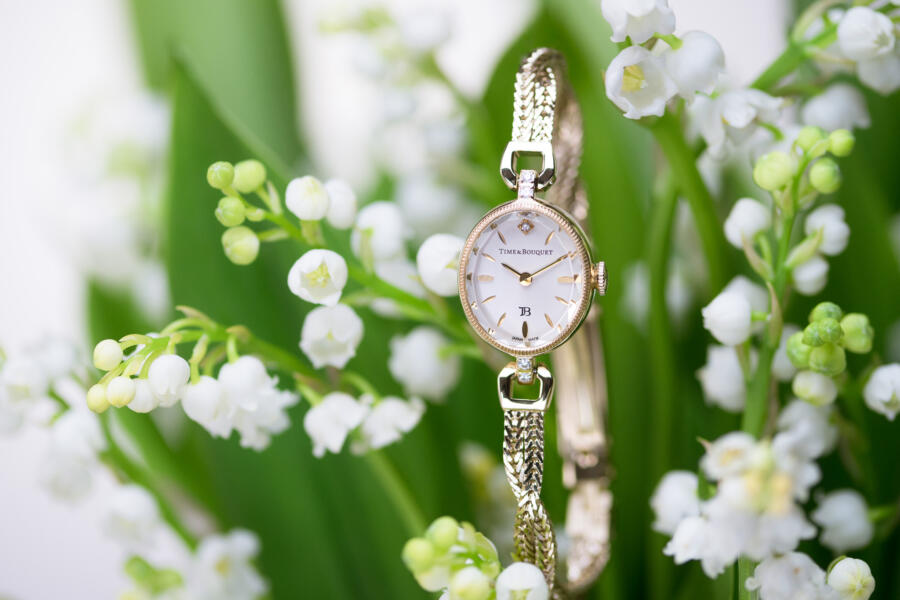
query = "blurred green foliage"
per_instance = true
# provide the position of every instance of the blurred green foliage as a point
(327, 529)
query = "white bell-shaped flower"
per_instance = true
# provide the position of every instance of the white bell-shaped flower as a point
(167, 376)
(729, 455)
(756, 295)
(144, 399)
(417, 363)
(379, 233)
(788, 577)
(864, 34)
(521, 581)
(882, 74)
(438, 263)
(728, 318)
(840, 106)
(341, 204)
(730, 119)
(389, 419)
(697, 66)
(67, 468)
(402, 274)
(204, 402)
(329, 422)
(639, 20)
(814, 387)
(306, 198)
(429, 206)
(330, 335)
(636, 82)
(722, 378)
(470, 583)
(882, 391)
(696, 538)
(319, 276)
(852, 579)
(835, 232)
(223, 568)
(809, 427)
(843, 516)
(811, 276)
(132, 517)
(747, 218)
(674, 499)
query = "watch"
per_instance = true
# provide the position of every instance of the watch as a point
(527, 282)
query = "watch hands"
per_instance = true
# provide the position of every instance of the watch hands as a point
(525, 278)
(509, 268)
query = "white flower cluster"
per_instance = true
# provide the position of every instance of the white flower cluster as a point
(377, 422)
(882, 391)
(866, 43)
(754, 511)
(27, 379)
(641, 81)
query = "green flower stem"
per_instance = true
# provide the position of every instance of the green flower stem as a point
(662, 361)
(796, 53)
(391, 482)
(668, 133)
(745, 569)
(116, 458)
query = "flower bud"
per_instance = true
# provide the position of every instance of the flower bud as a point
(443, 533)
(773, 171)
(823, 331)
(254, 214)
(814, 387)
(810, 277)
(797, 351)
(825, 310)
(230, 212)
(828, 359)
(120, 391)
(851, 578)
(241, 245)
(829, 219)
(470, 584)
(306, 198)
(728, 318)
(747, 218)
(825, 176)
(220, 174)
(809, 136)
(858, 333)
(107, 355)
(438, 263)
(249, 176)
(341, 204)
(841, 142)
(96, 398)
(418, 555)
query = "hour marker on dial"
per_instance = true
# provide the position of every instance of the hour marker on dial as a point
(500, 234)
(485, 278)
(500, 320)
(549, 320)
(549, 237)
(568, 278)
(488, 256)
(562, 300)
(488, 299)
(524, 329)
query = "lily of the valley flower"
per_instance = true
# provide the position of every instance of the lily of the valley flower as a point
(747, 218)
(882, 391)
(793, 575)
(852, 579)
(401, 273)
(696, 66)
(24, 389)
(341, 211)
(306, 198)
(329, 422)
(811, 276)
(808, 428)
(379, 233)
(204, 402)
(75, 441)
(389, 419)
(107, 355)
(438, 263)
(167, 376)
(416, 362)
(521, 580)
(722, 378)
(319, 276)
(144, 399)
(835, 232)
(728, 318)
(636, 82)
(638, 19)
(864, 34)
(840, 106)
(132, 517)
(814, 387)
(223, 568)
(674, 500)
(730, 119)
(844, 519)
(330, 335)
(882, 74)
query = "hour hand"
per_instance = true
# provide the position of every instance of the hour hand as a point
(509, 268)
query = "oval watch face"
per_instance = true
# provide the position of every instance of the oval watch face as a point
(525, 278)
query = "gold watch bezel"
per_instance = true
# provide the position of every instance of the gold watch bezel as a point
(587, 288)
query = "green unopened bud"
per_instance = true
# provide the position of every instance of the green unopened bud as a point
(443, 533)
(826, 310)
(809, 136)
(230, 212)
(241, 245)
(828, 359)
(797, 351)
(107, 355)
(96, 398)
(830, 331)
(841, 142)
(418, 555)
(255, 214)
(773, 171)
(120, 391)
(220, 174)
(858, 333)
(825, 176)
(249, 176)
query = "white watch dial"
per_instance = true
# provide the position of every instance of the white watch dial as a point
(524, 281)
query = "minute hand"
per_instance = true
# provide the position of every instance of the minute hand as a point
(546, 267)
